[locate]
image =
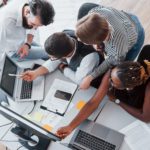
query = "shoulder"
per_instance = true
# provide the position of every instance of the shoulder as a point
(91, 58)
(147, 90)
(148, 85)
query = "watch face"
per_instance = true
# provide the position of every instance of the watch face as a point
(117, 101)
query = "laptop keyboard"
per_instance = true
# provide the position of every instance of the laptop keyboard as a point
(92, 142)
(26, 90)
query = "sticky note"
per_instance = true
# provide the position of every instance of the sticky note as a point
(48, 127)
(80, 104)
(37, 116)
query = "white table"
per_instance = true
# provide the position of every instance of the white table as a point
(113, 116)
(25, 107)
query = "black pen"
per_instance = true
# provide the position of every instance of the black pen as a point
(55, 112)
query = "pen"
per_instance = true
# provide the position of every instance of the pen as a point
(56, 111)
(15, 75)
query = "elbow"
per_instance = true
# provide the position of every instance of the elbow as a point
(145, 118)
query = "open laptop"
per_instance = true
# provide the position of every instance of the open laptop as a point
(93, 136)
(16, 88)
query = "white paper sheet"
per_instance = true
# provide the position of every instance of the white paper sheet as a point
(137, 135)
(56, 104)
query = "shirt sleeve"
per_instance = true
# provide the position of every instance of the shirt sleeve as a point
(87, 65)
(116, 53)
(51, 65)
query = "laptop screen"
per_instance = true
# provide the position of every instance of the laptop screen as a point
(8, 82)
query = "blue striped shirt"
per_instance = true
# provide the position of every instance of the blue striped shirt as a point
(123, 37)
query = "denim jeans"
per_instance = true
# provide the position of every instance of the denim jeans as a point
(134, 51)
(36, 52)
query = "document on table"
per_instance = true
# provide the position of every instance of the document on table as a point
(137, 135)
(59, 96)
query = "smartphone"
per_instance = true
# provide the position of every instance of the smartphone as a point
(63, 95)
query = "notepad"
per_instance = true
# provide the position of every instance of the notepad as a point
(59, 96)
(37, 116)
(80, 104)
(48, 127)
(137, 135)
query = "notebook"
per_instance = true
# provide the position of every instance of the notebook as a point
(59, 96)
(137, 135)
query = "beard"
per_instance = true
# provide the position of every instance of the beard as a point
(25, 23)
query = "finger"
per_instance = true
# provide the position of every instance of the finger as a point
(22, 55)
(62, 136)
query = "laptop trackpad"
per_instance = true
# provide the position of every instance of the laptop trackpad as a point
(100, 131)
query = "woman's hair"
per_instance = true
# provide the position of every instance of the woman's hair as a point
(92, 29)
(132, 74)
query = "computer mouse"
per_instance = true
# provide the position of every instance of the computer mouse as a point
(5, 104)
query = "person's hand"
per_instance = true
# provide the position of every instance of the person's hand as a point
(23, 51)
(62, 66)
(85, 84)
(29, 75)
(64, 131)
(5, 2)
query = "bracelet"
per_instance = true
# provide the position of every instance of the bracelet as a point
(28, 45)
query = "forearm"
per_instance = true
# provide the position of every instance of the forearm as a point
(85, 112)
(92, 105)
(138, 113)
(41, 71)
(102, 68)
(29, 38)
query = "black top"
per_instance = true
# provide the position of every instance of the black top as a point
(135, 97)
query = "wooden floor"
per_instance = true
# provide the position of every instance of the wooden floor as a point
(140, 8)
(66, 14)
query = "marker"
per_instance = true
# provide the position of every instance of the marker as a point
(15, 75)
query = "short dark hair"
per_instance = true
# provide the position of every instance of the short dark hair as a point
(43, 9)
(59, 45)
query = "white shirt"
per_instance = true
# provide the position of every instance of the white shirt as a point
(12, 33)
(87, 65)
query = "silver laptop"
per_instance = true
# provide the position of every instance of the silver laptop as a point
(93, 136)
(16, 88)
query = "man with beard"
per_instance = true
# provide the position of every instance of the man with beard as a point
(18, 24)
(3, 2)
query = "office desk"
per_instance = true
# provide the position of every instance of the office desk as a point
(113, 116)
(25, 107)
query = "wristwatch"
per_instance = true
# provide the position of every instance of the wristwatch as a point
(117, 101)
(28, 45)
